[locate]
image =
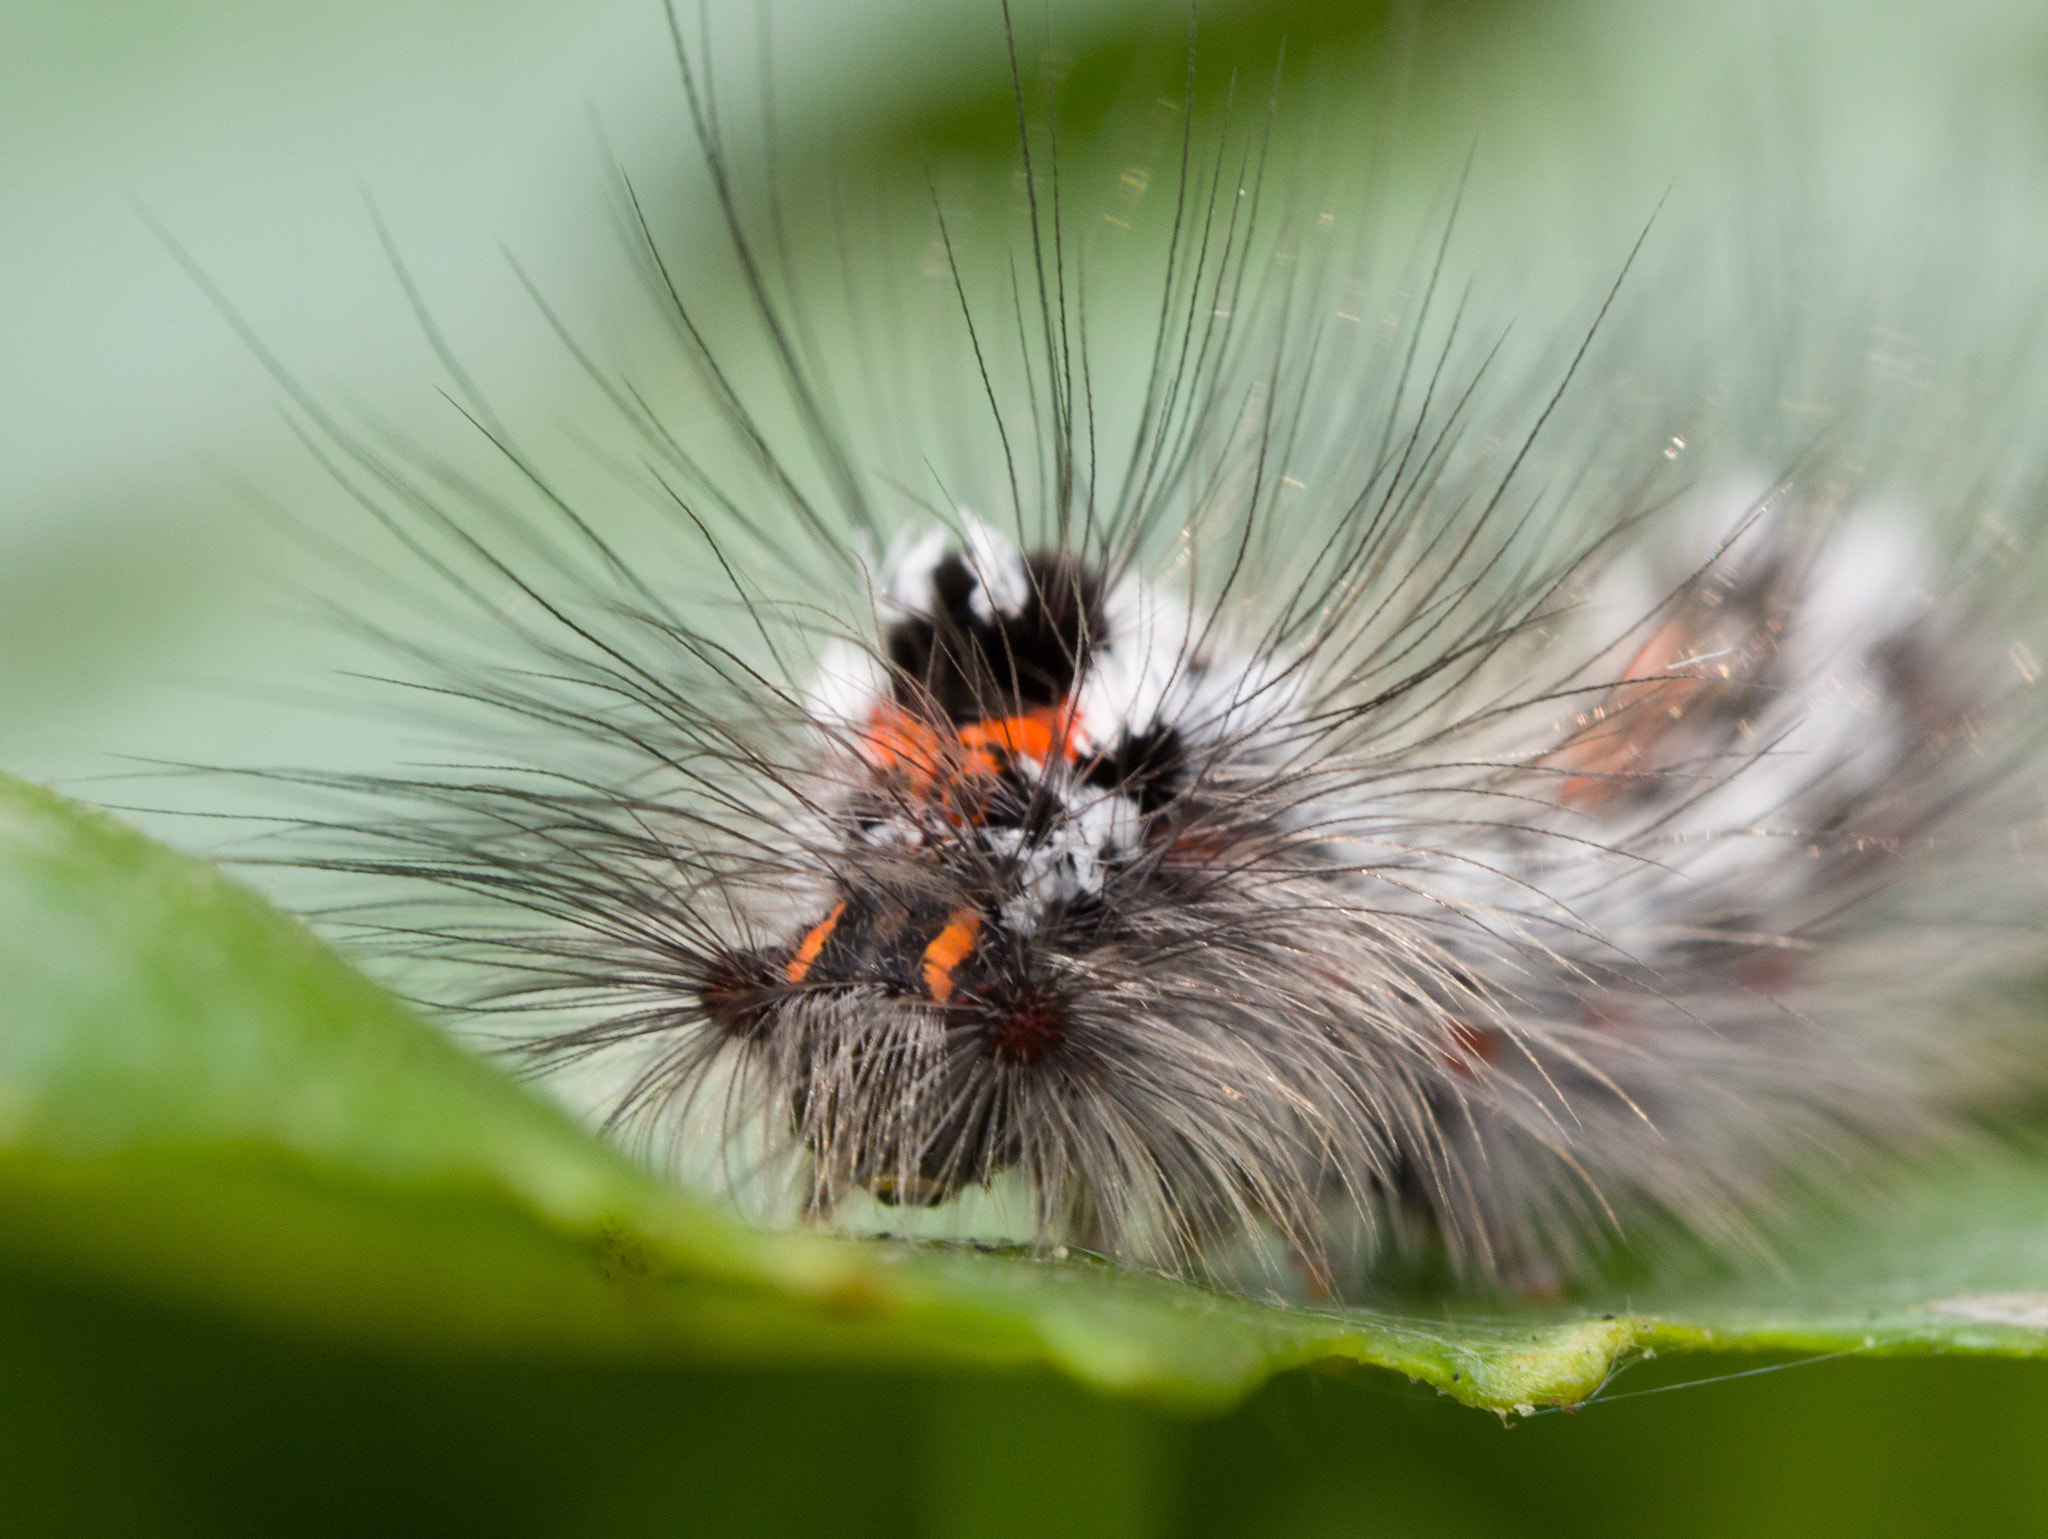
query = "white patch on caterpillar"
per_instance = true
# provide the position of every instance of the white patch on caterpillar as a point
(850, 681)
(1002, 586)
(1869, 585)
(1141, 658)
(907, 568)
(1155, 667)
(1097, 829)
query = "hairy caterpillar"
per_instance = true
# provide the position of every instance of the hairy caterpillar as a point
(1344, 787)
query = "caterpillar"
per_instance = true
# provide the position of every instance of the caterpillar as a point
(1297, 779)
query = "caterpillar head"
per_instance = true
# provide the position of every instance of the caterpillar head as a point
(1018, 789)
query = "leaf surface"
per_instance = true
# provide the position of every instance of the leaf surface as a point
(201, 1102)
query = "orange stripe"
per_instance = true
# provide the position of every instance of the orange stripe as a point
(947, 767)
(898, 741)
(1021, 735)
(807, 953)
(949, 948)
(1039, 733)
(1634, 714)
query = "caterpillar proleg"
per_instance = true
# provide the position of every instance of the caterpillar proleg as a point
(1314, 780)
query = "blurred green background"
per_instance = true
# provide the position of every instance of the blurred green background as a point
(118, 1420)
(146, 613)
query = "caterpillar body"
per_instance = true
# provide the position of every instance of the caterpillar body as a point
(1378, 809)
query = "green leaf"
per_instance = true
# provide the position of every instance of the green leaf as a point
(200, 1102)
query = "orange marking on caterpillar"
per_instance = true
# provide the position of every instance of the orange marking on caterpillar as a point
(1470, 1048)
(813, 943)
(905, 745)
(949, 948)
(1040, 733)
(931, 763)
(1638, 711)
